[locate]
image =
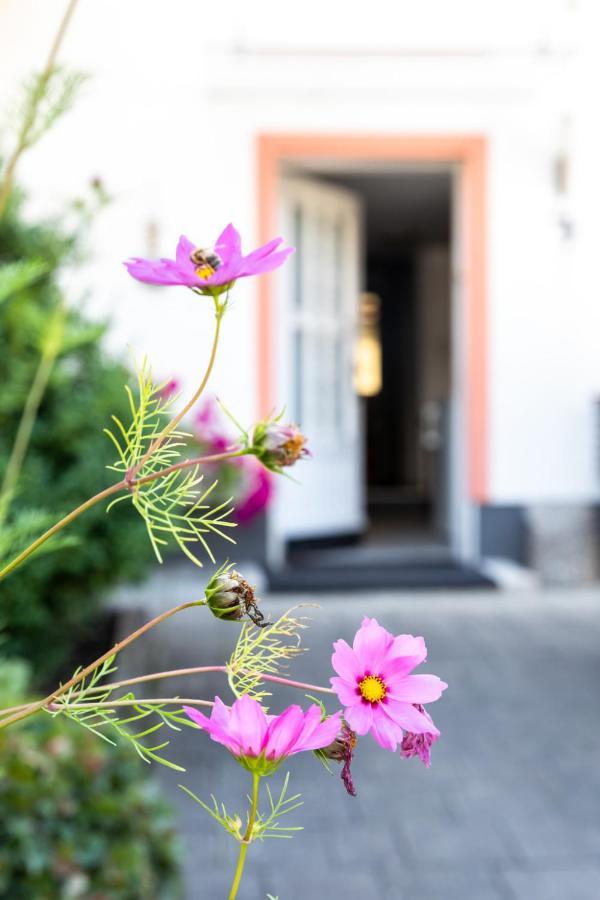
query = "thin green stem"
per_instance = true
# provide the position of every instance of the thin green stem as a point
(239, 869)
(109, 704)
(202, 670)
(58, 526)
(48, 356)
(38, 705)
(186, 463)
(30, 119)
(157, 442)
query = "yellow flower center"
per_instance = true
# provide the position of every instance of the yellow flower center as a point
(372, 688)
(205, 271)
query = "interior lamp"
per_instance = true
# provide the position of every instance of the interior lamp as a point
(367, 362)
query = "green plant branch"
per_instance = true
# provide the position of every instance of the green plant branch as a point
(110, 704)
(239, 869)
(175, 673)
(122, 485)
(29, 121)
(130, 482)
(50, 351)
(32, 708)
(202, 670)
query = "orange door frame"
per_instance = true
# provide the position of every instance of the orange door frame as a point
(470, 152)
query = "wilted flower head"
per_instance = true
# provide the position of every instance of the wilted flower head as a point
(213, 270)
(419, 744)
(278, 446)
(229, 596)
(376, 687)
(261, 742)
(342, 750)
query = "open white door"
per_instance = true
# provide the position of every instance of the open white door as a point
(317, 310)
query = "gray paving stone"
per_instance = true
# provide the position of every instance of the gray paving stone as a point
(509, 809)
(581, 882)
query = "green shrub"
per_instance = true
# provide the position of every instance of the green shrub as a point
(79, 818)
(49, 601)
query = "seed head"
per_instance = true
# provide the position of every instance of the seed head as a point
(229, 596)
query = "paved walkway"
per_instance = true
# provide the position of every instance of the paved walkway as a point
(510, 809)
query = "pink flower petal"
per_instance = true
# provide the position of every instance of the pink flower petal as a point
(417, 688)
(316, 734)
(409, 718)
(248, 725)
(283, 732)
(371, 644)
(184, 250)
(346, 691)
(267, 264)
(220, 714)
(263, 251)
(345, 662)
(386, 732)
(323, 734)
(406, 645)
(198, 717)
(360, 717)
(229, 244)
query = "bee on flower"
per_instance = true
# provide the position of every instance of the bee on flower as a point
(213, 270)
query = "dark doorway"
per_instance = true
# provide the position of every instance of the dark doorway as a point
(407, 251)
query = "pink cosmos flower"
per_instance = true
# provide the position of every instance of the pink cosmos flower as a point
(213, 270)
(261, 742)
(376, 687)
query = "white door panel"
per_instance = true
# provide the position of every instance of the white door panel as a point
(317, 309)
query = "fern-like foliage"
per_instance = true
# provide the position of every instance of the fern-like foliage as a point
(264, 651)
(266, 825)
(90, 704)
(24, 527)
(45, 98)
(16, 276)
(174, 506)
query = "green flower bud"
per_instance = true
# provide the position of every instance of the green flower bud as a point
(230, 597)
(278, 446)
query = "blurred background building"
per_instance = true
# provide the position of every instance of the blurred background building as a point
(436, 334)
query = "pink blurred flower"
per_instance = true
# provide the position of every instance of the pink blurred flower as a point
(170, 388)
(210, 429)
(419, 744)
(376, 688)
(214, 270)
(258, 493)
(261, 742)
(255, 489)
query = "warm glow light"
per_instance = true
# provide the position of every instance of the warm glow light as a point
(367, 371)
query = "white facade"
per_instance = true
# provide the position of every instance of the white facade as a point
(179, 93)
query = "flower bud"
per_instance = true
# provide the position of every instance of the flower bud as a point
(278, 446)
(230, 597)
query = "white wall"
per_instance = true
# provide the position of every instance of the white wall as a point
(169, 121)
